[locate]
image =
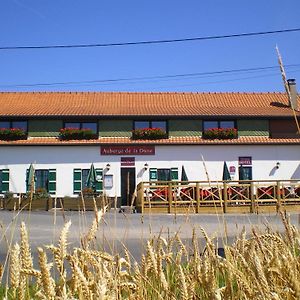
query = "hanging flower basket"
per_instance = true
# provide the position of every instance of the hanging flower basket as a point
(220, 133)
(77, 134)
(149, 134)
(12, 134)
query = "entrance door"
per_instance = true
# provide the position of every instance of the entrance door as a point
(127, 185)
(245, 173)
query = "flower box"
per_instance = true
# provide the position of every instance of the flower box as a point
(12, 134)
(40, 200)
(220, 133)
(149, 134)
(83, 203)
(77, 134)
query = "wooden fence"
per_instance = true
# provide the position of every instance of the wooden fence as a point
(218, 196)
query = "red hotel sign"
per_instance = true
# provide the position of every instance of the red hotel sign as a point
(127, 161)
(245, 160)
(127, 150)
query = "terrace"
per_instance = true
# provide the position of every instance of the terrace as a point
(251, 196)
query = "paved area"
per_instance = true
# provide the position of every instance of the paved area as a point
(129, 229)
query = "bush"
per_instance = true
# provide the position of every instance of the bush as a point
(8, 196)
(149, 134)
(12, 134)
(87, 191)
(39, 193)
(220, 133)
(77, 134)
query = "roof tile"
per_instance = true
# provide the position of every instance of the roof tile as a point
(246, 140)
(143, 104)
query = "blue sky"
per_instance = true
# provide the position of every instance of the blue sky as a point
(41, 22)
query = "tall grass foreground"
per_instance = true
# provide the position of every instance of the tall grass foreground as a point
(264, 265)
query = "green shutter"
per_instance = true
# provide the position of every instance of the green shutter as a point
(99, 180)
(76, 181)
(174, 173)
(5, 180)
(52, 181)
(152, 174)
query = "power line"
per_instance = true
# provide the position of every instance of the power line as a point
(224, 80)
(150, 41)
(159, 77)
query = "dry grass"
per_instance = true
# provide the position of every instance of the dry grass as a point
(264, 266)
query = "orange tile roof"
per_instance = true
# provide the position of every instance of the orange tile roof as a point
(246, 140)
(143, 104)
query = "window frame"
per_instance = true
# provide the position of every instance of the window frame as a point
(80, 124)
(39, 171)
(150, 124)
(51, 184)
(76, 181)
(166, 171)
(83, 182)
(12, 121)
(219, 122)
(173, 174)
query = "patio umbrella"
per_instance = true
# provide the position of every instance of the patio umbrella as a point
(91, 178)
(226, 174)
(30, 177)
(183, 175)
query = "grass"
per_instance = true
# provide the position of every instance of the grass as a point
(265, 265)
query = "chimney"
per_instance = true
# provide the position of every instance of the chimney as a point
(293, 92)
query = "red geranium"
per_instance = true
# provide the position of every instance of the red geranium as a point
(148, 134)
(220, 133)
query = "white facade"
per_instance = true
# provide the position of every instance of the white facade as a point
(193, 157)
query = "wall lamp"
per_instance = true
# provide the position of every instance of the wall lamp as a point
(107, 167)
(277, 165)
(146, 166)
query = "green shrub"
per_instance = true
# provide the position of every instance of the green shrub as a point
(39, 193)
(220, 133)
(77, 134)
(12, 134)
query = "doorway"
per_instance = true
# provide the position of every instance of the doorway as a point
(245, 173)
(127, 185)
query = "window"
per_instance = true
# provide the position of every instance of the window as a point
(4, 180)
(43, 179)
(218, 124)
(14, 124)
(151, 124)
(80, 180)
(163, 174)
(84, 176)
(82, 125)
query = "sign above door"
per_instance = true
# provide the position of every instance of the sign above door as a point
(245, 160)
(127, 161)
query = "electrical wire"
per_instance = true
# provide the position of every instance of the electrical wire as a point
(213, 37)
(153, 78)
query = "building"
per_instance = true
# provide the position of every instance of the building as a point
(267, 145)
